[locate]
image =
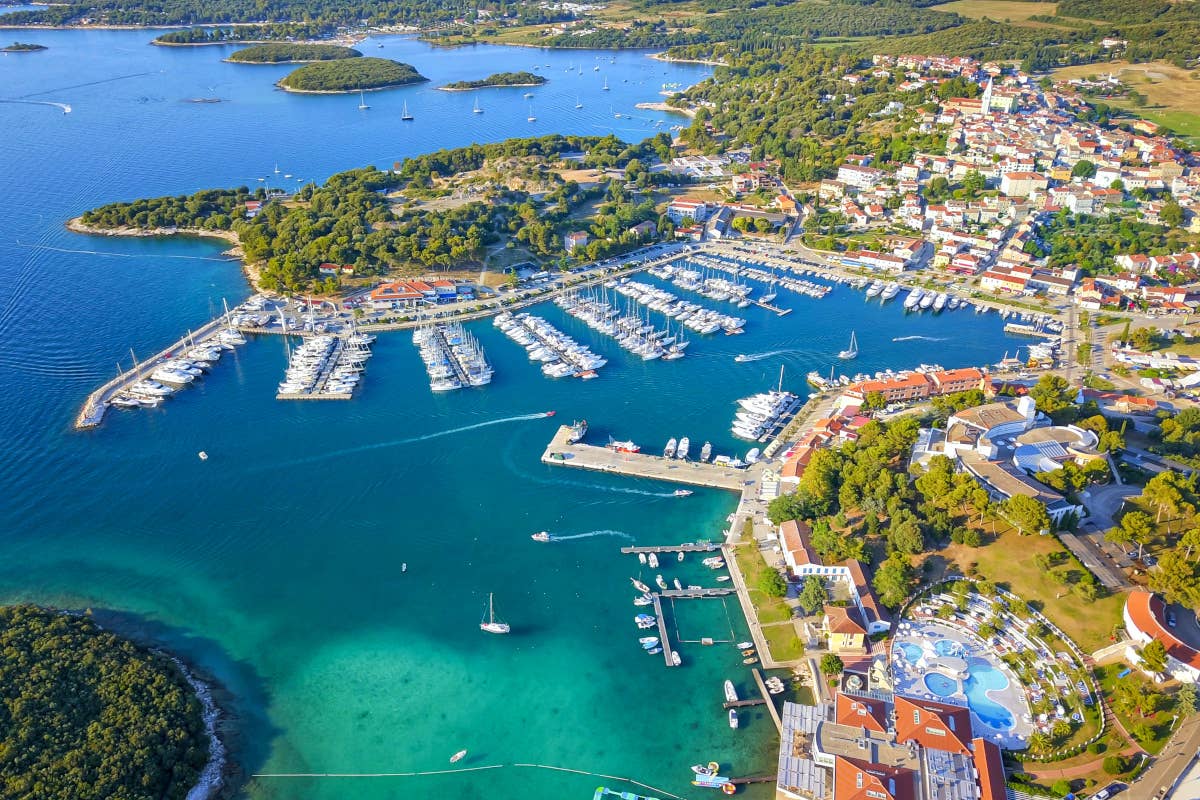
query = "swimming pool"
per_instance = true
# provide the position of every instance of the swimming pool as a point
(912, 653)
(982, 679)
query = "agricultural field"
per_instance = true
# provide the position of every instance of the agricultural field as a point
(1172, 94)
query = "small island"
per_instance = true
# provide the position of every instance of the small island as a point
(287, 53)
(496, 81)
(22, 47)
(89, 714)
(350, 75)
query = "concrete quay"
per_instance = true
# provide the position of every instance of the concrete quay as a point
(560, 452)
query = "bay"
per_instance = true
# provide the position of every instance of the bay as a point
(275, 565)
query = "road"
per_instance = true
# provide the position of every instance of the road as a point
(1170, 765)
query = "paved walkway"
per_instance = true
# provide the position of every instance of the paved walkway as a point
(1171, 763)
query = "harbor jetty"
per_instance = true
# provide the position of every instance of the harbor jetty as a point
(561, 452)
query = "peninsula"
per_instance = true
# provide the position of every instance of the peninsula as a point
(92, 714)
(22, 47)
(350, 75)
(288, 53)
(498, 80)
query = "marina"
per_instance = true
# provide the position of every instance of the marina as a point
(561, 452)
(559, 354)
(633, 333)
(452, 356)
(325, 367)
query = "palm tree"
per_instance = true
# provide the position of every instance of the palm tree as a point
(1039, 742)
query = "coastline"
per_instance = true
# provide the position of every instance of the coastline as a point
(687, 112)
(706, 62)
(218, 768)
(251, 271)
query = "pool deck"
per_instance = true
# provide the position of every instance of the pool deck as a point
(910, 679)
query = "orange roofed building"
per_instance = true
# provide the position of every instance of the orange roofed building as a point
(854, 779)
(861, 712)
(932, 724)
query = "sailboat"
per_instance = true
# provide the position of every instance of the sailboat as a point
(362, 102)
(404, 115)
(491, 625)
(477, 109)
(531, 117)
(578, 104)
(605, 86)
(851, 351)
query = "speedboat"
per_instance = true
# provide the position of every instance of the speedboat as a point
(733, 719)
(711, 769)
(669, 450)
(541, 536)
(744, 645)
(682, 452)
(661, 581)
(652, 560)
(706, 452)
(741, 358)
(454, 759)
(650, 640)
(675, 659)
(654, 650)
(682, 492)
(642, 601)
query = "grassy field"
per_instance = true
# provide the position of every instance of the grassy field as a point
(784, 643)
(1159, 722)
(1013, 11)
(1173, 93)
(1008, 561)
(769, 609)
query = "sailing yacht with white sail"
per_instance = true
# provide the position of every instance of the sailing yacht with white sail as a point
(490, 625)
(850, 352)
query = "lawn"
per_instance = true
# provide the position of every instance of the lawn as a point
(1008, 561)
(784, 643)
(1160, 722)
(769, 609)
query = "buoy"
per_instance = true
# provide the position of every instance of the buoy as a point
(203, 455)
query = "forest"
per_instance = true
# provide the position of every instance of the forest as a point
(286, 53)
(88, 715)
(350, 75)
(349, 220)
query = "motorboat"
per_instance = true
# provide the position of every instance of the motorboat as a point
(723, 578)
(712, 768)
(678, 585)
(913, 299)
(642, 557)
(661, 581)
(752, 456)
(641, 587)
(750, 660)
(705, 453)
(743, 645)
(747, 652)
(682, 452)
(679, 557)
(712, 781)
(624, 447)
(669, 450)
(650, 640)
(642, 600)
(730, 692)
(459, 756)
(541, 536)
(202, 455)
(675, 659)
(654, 651)
(733, 718)
(652, 560)
(682, 492)
(742, 358)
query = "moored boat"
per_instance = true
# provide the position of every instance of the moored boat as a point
(731, 695)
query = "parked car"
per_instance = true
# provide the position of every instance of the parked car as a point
(1171, 619)
(1107, 791)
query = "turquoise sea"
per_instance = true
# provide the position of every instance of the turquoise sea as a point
(275, 565)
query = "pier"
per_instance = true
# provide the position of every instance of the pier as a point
(663, 638)
(338, 357)
(640, 465)
(753, 701)
(682, 594)
(96, 404)
(687, 547)
(766, 696)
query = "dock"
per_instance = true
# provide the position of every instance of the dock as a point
(1021, 329)
(640, 465)
(766, 696)
(664, 639)
(753, 701)
(682, 594)
(687, 547)
(96, 405)
(783, 312)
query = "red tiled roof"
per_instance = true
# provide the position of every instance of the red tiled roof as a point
(938, 726)
(865, 595)
(1147, 612)
(861, 712)
(795, 535)
(839, 619)
(989, 763)
(853, 779)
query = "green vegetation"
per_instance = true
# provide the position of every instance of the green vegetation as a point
(1090, 242)
(831, 664)
(350, 75)
(352, 220)
(1144, 709)
(498, 79)
(22, 47)
(87, 715)
(292, 53)
(240, 33)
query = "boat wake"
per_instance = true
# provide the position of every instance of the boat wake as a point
(590, 534)
(918, 338)
(761, 356)
(414, 439)
(66, 109)
(155, 256)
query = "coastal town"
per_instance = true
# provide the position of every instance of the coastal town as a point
(941, 576)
